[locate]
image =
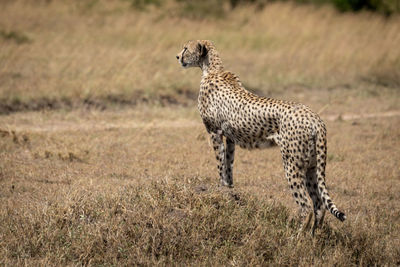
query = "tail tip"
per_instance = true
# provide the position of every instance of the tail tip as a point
(341, 216)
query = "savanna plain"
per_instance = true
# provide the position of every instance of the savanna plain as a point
(104, 159)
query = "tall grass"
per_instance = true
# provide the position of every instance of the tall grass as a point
(80, 52)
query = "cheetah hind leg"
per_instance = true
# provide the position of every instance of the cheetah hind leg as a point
(318, 204)
(295, 176)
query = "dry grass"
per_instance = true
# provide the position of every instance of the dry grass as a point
(138, 186)
(99, 51)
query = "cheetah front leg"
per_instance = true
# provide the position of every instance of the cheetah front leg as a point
(229, 159)
(224, 157)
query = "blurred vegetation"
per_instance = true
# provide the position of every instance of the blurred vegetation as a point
(386, 7)
(216, 7)
(18, 37)
(197, 9)
(101, 54)
(141, 4)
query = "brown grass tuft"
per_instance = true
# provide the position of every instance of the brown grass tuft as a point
(169, 222)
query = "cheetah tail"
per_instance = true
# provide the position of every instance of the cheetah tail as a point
(321, 162)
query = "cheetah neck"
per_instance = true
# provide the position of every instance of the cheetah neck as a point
(212, 62)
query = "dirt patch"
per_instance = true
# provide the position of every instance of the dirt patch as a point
(348, 117)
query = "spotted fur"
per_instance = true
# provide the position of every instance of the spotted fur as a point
(229, 111)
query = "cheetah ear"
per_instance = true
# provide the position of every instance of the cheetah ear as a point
(202, 50)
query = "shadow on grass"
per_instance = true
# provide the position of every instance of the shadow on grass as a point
(180, 98)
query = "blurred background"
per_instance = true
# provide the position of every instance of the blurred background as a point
(59, 54)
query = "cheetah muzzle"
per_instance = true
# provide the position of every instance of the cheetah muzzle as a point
(231, 113)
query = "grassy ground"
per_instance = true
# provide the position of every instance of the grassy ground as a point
(115, 167)
(140, 186)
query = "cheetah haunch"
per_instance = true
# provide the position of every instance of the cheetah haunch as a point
(229, 110)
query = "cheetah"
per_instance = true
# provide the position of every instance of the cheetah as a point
(242, 118)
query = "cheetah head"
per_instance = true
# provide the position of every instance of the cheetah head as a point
(194, 53)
